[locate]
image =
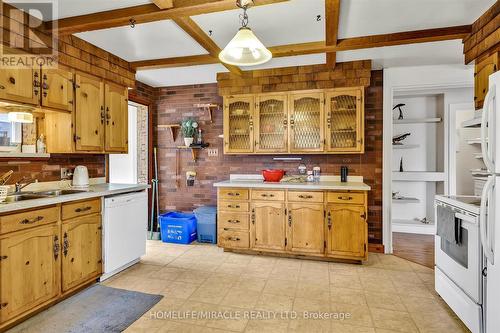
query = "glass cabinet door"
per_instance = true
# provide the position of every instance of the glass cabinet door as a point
(271, 124)
(344, 121)
(238, 124)
(306, 122)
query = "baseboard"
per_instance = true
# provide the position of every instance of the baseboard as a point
(106, 276)
(376, 248)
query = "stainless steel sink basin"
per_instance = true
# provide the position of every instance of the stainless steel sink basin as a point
(56, 193)
(23, 197)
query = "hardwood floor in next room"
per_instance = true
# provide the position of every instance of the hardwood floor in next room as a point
(414, 247)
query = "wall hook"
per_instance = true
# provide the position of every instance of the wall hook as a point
(210, 32)
(318, 18)
(132, 23)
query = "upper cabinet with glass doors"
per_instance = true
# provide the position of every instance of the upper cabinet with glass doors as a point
(299, 122)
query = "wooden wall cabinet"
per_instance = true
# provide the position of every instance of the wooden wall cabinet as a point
(318, 224)
(20, 85)
(296, 122)
(89, 113)
(57, 89)
(483, 70)
(116, 114)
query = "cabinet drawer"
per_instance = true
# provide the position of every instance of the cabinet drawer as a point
(305, 196)
(346, 197)
(81, 208)
(233, 194)
(233, 221)
(234, 239)
(29, 219)
(229, 206)
(267, 195)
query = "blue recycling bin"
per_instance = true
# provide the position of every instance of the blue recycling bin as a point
(206, 217)
(179, 228)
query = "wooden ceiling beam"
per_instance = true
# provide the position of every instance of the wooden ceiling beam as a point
(332, 12)
(400, 38)
(192, 29)
(164, 4)
(143, 14)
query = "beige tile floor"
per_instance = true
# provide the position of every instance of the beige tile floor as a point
(386, 294)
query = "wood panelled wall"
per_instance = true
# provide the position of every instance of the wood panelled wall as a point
(72, 51)
(346, 74)
(173, 104)
(485, 36)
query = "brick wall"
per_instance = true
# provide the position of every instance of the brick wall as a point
(173, 104)
(49, 169)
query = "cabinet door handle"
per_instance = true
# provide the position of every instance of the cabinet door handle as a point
(34, 220)
(233, 206)
(236, 239)
(253, 216)
(231, 194)
(65, 244)
(330, 224)
(290, 220)
(82, 209)
(233, 221)
(305, 196)
(56, 247)
(345, 198)
(12, 80)
(267, 195)
(2, 87)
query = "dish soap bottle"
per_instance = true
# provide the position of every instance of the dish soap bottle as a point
(40, 145)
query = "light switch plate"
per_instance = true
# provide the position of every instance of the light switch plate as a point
(213, 152)
(65, 173)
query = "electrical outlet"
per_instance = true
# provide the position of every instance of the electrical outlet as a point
(65, 173)
(213, 152)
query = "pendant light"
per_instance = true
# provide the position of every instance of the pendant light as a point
(245, 49)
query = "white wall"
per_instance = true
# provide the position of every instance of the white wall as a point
(123, 167)
(435, 79)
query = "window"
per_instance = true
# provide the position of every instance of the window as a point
(10, 134)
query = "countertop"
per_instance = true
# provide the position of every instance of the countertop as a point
(322, 185)
(94, 191)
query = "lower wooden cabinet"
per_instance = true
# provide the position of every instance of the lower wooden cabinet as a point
(346, 230)
(81, 251)
(330, 224)
(44, 258)
(30, 269)
(267, 229)
(305, 228)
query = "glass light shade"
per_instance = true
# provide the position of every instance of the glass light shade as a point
(21, 117)
(245, 49)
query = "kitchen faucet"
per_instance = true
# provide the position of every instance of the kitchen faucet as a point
(23, 182)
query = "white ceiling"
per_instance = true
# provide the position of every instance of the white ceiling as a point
(278, 24)
(369, 17)
(180, 75)
(289, 22)
(160, 39)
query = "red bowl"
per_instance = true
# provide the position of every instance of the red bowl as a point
(273, 175)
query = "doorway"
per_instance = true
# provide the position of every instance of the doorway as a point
(132, 168)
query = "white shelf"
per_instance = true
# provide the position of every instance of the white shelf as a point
(405, 200)
(474, 141)
(405, 146)
(24, 155)
(418, 176)
(473, 123)
(478, 156)
(417, 121)
(413, 227)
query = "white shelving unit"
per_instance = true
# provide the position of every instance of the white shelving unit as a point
(474, 122)
(423, 163)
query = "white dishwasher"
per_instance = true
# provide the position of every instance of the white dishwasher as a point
(124, 231)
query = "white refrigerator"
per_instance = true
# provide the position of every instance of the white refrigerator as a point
(490, 201)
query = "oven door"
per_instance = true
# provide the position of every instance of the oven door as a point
(462, 264)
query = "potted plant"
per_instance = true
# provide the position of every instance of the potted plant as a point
(188, 128)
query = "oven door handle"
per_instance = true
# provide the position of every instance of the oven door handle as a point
(485, 242)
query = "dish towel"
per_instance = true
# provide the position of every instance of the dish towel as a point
(448, 226)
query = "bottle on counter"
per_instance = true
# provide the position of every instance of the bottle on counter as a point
(40, 145)
(302, 169)
(310, 176)
(316, 174)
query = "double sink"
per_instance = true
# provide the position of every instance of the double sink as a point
(23, 196)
